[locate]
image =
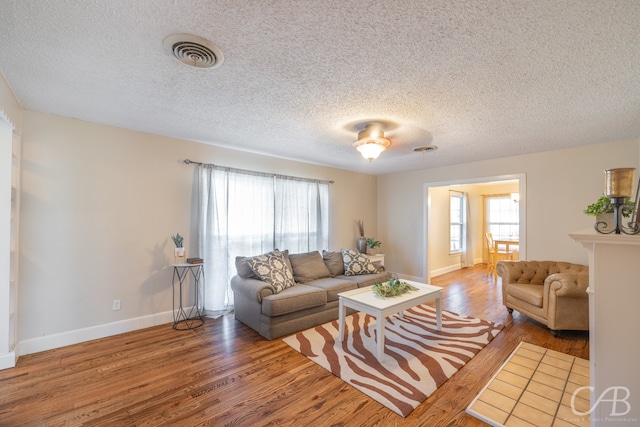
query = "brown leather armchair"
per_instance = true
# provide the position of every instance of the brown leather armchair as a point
(553, 293)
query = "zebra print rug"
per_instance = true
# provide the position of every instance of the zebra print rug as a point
(418, 358)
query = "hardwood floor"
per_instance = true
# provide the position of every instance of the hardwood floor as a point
(225, 374)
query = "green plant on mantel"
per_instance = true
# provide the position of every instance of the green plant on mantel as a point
(177, 240)
(603, 205)
(373, 243)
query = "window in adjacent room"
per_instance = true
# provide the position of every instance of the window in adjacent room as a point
(456, 221)
(503, 219)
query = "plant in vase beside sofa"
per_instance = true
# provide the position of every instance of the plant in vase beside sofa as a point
(373, 245)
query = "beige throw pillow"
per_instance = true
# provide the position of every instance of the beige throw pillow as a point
(308, 266)
(333, 261)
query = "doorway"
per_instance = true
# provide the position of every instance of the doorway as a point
(439, 259)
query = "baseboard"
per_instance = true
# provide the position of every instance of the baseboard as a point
(413, 278)
(49, 342)
(8, 360)
(451, 268)
(445, 270)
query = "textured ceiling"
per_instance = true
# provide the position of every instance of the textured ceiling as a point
(477, 78)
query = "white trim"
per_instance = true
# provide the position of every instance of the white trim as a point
(454, 267)
(4, 116)
(8, 360)
(77, 336)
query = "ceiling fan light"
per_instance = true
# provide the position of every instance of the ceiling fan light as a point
(371, 142)
(370, 150)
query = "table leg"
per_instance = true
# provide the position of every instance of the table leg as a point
(439, 312)
(342, 310)
(380, 321)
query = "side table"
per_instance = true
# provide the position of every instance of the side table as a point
(181, 272)
(377, 258)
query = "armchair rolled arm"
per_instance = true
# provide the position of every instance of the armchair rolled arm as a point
(252, 288)
(509, 271)
(568, 285)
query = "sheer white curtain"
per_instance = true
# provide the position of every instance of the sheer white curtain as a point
(301, 219)
(244, 213)
(466, 255)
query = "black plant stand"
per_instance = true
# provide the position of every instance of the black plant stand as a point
(181, 272)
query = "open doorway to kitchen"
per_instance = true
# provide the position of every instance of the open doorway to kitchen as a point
(454, 233)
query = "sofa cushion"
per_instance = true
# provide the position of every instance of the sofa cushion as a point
(531, 294)
(296, 298)
(356, 263)
(273, 269)
(308, 266)
(333, 261)
(245, 271)
(334, 286)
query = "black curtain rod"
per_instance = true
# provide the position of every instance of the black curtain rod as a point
(189, 162)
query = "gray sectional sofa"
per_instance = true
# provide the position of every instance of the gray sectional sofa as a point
(275, 311)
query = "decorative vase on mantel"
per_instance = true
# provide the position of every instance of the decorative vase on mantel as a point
(608, 218)
(362, 245)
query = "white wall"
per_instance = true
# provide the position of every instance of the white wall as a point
(98, 207)
(560, 184)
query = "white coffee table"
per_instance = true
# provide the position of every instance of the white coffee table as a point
(367, 301)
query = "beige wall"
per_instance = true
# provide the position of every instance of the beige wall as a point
(559, 185)
(100, 203)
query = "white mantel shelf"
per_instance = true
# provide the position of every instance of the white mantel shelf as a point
(590, 236)
(614, 344)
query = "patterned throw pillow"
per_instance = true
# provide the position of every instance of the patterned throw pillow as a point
(273, 269)
(356, 263)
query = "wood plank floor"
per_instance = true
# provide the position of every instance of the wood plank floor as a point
(225, 374)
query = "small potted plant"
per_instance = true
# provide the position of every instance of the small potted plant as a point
(602, 209)
(373, 244)
(178, 240)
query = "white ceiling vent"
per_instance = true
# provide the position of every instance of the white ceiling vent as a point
(193, 50)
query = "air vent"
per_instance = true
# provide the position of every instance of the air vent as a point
(424, 148)
(193, 51)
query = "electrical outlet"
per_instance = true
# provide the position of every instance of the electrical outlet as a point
(116, 304)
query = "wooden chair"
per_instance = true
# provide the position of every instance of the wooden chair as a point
(494, 255)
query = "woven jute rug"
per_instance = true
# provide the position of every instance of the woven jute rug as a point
(536, 387)
(417, 360)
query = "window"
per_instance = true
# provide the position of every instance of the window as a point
(456, 219)
(503, 219)
(243, 213)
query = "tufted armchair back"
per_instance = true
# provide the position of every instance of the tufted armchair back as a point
(535, 272)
